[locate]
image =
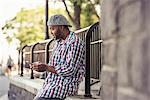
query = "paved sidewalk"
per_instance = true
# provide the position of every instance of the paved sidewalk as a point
(4, 97)
(4, 87)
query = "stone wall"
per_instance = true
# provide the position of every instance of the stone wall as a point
(18, 93)
(23, 88)
(126, 57)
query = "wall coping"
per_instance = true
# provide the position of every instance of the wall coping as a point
(31, 85)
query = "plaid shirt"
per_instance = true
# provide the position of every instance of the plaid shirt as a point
(68, 60)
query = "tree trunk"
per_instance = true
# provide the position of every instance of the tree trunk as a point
(77, 11)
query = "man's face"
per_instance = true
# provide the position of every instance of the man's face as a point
(56, 32)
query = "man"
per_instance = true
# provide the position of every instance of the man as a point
(66, 67)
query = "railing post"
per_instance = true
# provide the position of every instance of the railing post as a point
(47, 51)
(46, 56)
(32, 59)
(87, 61)
(87, 72)
(18, 61)
(21, 63)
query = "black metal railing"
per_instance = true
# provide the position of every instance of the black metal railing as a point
(40, 51)
(35, 52)
(92, 38)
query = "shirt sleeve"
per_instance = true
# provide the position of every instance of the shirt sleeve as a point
(72, 59)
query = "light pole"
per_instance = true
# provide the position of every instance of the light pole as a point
(46, 19)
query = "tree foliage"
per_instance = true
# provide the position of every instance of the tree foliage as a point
(27, 26)
(83, 9)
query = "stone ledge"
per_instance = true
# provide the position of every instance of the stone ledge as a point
(31, 85)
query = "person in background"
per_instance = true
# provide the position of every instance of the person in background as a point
(66, 67)
(9, 66)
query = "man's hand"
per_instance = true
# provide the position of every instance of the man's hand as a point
(39, 67)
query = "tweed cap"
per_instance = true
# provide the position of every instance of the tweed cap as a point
(58, 19)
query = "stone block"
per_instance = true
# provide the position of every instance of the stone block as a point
(109, 83)
(108, 21)
(108, 93)
(124, 61)
(128, 93)
(126, 2)
(109, 52)
(133, 62)
(130, 22)
(140, 64)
